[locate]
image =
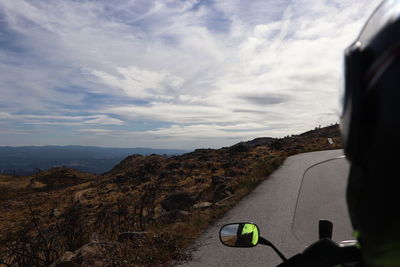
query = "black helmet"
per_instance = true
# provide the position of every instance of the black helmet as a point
(370, 126)
(371, 76)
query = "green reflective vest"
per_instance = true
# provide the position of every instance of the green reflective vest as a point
(251, 228)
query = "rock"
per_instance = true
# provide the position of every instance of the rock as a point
(218, 180)
(96, 237)
(239, 148)
(172, 216)
(37, 185)
(97, 253)
(131, 236)
(207, 195)
(200, 180)
(222, 187)
(202, 205)
(277, 144)
(223, 191)
(121, 179)
(65, 260)
(173, 165)
(125, 189)
(231, 172)
(55, 213)
(192, 165)
(179, 201)
(6, 205)
(165, 174)
(90, 195)
(261, 141)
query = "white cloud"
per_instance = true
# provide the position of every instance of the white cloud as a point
(13, 131)
(60, 119)
(140, 83)
(5, 116)
(218, 132)
(166, 112)
(96, 131)
(202, 67)
(103, 120)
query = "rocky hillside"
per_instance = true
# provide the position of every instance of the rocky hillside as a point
(63, 216)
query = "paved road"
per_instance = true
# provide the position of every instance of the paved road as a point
(272, 207)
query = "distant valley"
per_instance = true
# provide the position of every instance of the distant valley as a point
(28, 160)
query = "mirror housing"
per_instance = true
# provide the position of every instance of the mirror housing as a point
(325, 229)
(242, 235)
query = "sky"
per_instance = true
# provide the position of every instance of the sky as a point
(179, 74)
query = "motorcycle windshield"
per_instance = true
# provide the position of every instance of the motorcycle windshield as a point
(322, 195)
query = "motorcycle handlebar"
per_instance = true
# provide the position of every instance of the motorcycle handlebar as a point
(324, 253)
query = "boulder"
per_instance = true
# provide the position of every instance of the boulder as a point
(179, 201)
(97, 253)
(202, 205)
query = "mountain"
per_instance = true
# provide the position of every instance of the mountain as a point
(28, 160)
(119, 217)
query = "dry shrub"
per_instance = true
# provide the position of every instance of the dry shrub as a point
(72, 229)
(154, 249)
(129, 214)
(36, 244)
(261, 171)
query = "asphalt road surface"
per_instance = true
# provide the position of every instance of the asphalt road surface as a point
(272, 207)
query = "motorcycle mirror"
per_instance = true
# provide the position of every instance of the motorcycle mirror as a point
(243, 235)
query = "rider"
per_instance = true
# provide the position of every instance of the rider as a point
(247, 235)
(253, 230)
(370, 127)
